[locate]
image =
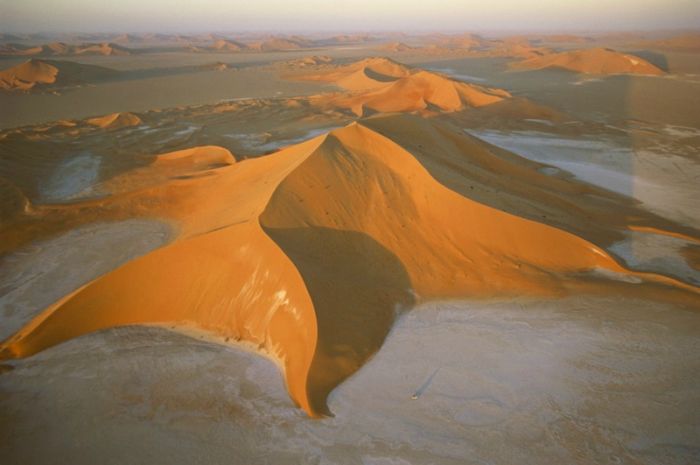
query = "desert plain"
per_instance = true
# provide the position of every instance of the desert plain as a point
(353, 249)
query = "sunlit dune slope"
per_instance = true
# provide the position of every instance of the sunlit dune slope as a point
(27, 75)
(309, 252)
(39, 73)
(63, 49)
(382, 85)
(115, 120)
(591, 61)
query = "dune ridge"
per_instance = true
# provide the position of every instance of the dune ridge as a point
(309, 253)
(600, 61)
(115, 120)
(64, 49)
(383, 85)
(27, 75)
(35, 73)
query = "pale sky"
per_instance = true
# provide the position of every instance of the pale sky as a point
(335, 16)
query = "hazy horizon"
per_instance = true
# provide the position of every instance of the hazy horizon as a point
(63, 16)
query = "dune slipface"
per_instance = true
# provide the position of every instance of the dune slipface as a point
(308, 253)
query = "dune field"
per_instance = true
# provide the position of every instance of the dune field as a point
(353, 249)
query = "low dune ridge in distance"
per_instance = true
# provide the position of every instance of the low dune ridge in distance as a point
(396, 47)
(562, 38)
(115, 120)
(601, 61)
(383, 85)
(279, 44)
(681, 43)
(226, 45)
(462, 42)
(36, 73)
(308, 253)
(311, 60)
(64, 49)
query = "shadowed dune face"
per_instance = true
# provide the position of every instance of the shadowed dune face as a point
(307, 253)
(357, 287)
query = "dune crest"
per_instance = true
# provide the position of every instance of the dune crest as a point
(115, 120)
(383, 85)
(34, 74)
(600, 61)
(309, 253)
(64, 49)
(397, 47)
(27, 75)
(228, 46)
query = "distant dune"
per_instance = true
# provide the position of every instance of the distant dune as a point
(383, 85)
(36, 73)
(115, 120)
(228, 46)
(681, 43)
(309, 253)
(600, 61)
(27, 75)
(397, 47)
(463, 41)
(562, 38)
(63, 49)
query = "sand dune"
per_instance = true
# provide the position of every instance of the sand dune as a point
(27, 75)
(591, 61)
(276, 44)
(40, 73)
(682, 43)
(370, 73)
(308, 253)
(228, 46)
(311, 60)
(396, 47)
(64, 49)
(464, 41)
(383, 85)
(115, 120)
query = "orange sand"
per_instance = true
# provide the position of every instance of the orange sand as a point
(115, 120)
(591, 61)
(310, 252)
(382, 85)
(36, 73)
(27, 75)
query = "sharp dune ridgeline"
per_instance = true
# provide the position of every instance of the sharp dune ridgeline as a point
(310, 252)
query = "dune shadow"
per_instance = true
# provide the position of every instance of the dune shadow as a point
(357, 287)
(655, 58)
